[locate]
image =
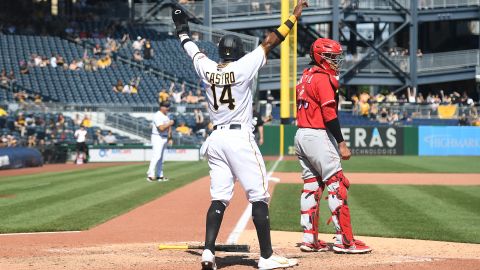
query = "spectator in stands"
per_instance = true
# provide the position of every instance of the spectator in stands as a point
(200, 97)
(383, 115)
(80, 65)
(268, 7)
(125, 40)
(45, 62)
(137, 45)
(126, 89)
(163, 96)
(420, 99)
(24, 67)
(104, 62)
(199, 119)
(73, 65)
(463, 120)
(391, 97)
(406, 118)
(148, 50)
(3, 141)
(177, 96)
(183, 129)
(118, 88)
(97, 50)
(77, 121)
(255, 5)
(419, 53)
(4, 78)
(53, 61)
(31, 142)
(60, 60)
(38, 100)
(3, 117)
(98, 137)
(60, 121)
(134, 83)
(20, 124)
(110, 138)
(374, 110)
(110, 46)
(137, 56)
(190, 98)
(86, 122)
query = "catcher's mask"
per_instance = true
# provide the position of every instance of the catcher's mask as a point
(327, 54)
(230, 48)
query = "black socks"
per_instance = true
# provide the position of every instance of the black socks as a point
(262, 224)
(214, 220)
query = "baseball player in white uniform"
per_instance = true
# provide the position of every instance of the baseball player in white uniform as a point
(231, 149)
(161, 131)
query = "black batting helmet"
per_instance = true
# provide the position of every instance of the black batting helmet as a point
(230, 48)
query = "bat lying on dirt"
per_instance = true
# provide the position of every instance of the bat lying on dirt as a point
(226, 248)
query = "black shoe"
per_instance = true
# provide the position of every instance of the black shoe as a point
(162, 179)
(151, 179)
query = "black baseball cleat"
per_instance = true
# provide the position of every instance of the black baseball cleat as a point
(162, 179)
(151, 179)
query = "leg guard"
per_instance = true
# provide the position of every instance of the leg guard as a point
(310, 209)
(337, 187)
(214, 220)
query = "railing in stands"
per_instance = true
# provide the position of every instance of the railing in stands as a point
(225, 9)
(427, 63)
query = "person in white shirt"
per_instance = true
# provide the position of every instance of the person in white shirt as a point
(81, 138)
(110, 138)
(161, 131)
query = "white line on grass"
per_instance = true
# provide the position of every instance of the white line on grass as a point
(33, 233)
(242, 222)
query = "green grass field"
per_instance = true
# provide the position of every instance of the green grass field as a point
(80, 199)
(400, 164)
(418, 212)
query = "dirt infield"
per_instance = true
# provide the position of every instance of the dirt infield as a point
(130, 241)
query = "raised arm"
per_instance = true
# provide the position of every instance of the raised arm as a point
(181, 26)
(278, 35)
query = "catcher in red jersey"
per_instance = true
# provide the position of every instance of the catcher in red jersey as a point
(319, 145)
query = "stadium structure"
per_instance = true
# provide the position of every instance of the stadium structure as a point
(400, 48)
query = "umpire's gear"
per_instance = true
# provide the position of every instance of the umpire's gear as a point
(230, 48)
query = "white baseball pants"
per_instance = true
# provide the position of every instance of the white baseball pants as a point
(233, 154)
(156, 163)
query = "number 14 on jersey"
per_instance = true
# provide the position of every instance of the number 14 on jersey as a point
(225, 97)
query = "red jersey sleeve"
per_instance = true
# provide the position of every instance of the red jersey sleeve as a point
(325, 92)
(326, 98)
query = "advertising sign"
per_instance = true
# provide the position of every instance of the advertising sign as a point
(448, 141)
(374, 140)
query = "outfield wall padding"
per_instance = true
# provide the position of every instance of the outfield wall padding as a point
(390, 140)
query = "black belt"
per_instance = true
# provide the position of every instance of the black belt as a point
(232, 126)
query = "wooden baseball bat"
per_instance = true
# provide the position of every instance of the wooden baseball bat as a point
(226, 248)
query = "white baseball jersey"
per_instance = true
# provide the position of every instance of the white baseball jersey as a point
(159, 142)
(159, 119)
(229, 91)
(232, 153)
(81, 135)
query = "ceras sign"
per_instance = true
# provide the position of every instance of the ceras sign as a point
(374, 140)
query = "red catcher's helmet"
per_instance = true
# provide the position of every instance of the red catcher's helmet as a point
(327, 54)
